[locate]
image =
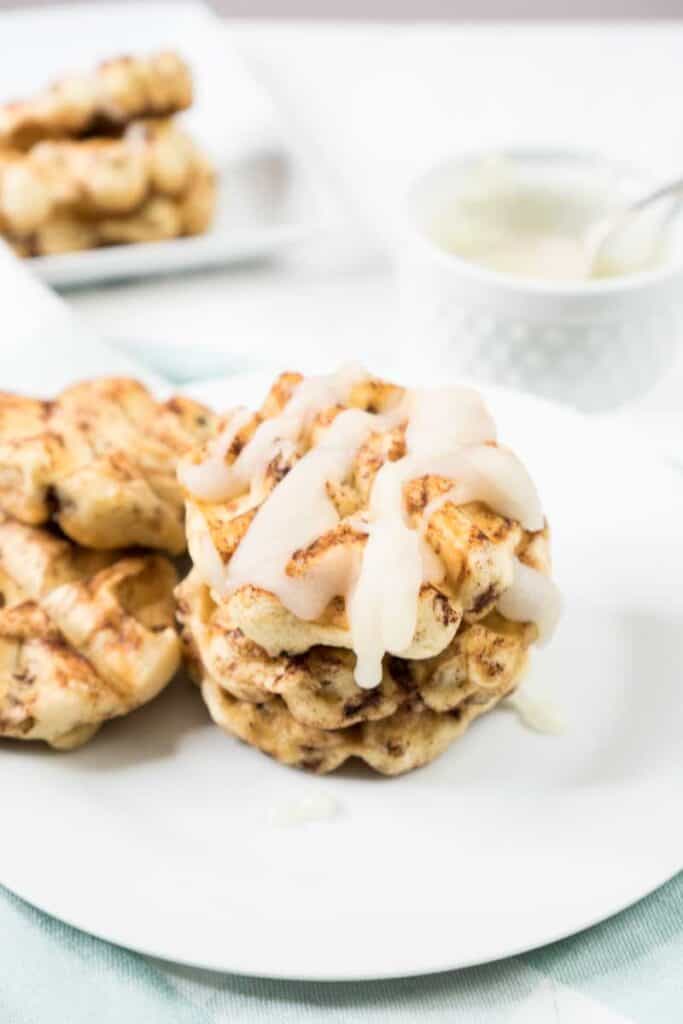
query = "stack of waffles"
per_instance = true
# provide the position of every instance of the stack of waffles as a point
(370, 567)
(98, 159)
(287, 684)
(89, 512)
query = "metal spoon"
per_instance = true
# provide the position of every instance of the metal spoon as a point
(602, 236)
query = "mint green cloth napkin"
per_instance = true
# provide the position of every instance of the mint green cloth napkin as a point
(626, 971)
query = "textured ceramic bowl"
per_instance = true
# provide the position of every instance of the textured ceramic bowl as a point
(593, 344)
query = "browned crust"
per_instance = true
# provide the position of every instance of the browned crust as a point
(115, 93)
(100, 461)
(484, 661)
(79, 644)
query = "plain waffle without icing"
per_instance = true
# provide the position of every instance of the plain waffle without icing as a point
(483, 663)
(100, 461)
(159, 218)
(410, 738)
(100, 102)
(88, 180)
(84, 636)
(308, 712)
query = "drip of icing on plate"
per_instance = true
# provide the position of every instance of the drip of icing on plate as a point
(313, 808)
(449, 433)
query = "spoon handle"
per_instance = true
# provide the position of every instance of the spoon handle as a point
(672, 188)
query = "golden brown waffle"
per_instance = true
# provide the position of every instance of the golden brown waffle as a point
(159, 218)
(92, 179)
(307, 710)
(100, 461)
(117, 92)
(408, 739)
(476, 546)
(83, 637)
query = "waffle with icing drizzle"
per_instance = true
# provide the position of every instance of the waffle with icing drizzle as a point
(286, 682)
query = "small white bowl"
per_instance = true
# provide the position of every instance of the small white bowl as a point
(593, 344)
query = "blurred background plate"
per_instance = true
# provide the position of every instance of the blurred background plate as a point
(264, 205)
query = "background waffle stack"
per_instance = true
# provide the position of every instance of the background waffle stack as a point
(287, 686)
(87, 628)
(97, 159)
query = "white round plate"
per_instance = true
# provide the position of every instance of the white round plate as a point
(160, 835)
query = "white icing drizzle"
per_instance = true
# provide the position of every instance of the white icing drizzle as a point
(537, 713)
(448, 434)
(215, 480)
(203, 550)
(383, 605)
(533, 597)
(297, 512)
(444, 418)
(485, 473)
(212, 479)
